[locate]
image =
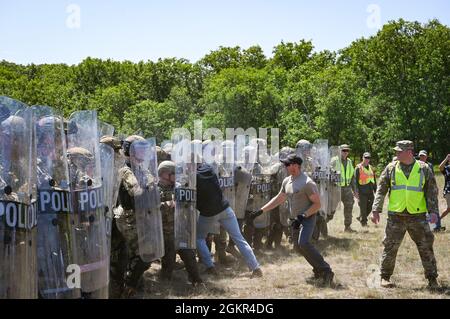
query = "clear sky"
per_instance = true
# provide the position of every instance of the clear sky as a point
(60, 31)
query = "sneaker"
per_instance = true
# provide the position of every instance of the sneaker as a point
(349, 230)
(386, 283)
(257, 273)
(433, 284)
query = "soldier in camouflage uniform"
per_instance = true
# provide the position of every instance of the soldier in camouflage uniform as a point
(126, 223)
(348, 188)
(166, 172)
(412, 194)
(119, 250)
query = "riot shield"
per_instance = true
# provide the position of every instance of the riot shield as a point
(304, 150)
(321, 161)
(18, 220)
(87, 200)
(225, 175)
(56, 249)
(245, 161)
(147, 203)
(334, 189)
(185, 195)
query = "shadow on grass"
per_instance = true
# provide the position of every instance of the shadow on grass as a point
(334, 243)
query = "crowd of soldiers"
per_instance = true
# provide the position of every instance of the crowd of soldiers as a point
(85, 212)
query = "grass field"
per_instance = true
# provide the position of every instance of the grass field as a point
(353, 257)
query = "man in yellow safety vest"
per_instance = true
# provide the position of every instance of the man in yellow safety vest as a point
(412, 194)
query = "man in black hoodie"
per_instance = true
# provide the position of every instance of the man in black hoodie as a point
(214, 208)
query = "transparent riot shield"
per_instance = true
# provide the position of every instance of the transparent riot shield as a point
(225, 160)
(143, 160)
(334, 189)
(56, 247)
(18, 220)
(321, 161)
(245, 161)
(260, 193)
(87, 200)
(185, 194)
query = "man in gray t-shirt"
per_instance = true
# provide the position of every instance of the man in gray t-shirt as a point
(304, 199)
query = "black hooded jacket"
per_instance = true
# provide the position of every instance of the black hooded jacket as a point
(210, 201)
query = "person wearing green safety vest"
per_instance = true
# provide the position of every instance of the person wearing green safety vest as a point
(412, 194)
(348, 187)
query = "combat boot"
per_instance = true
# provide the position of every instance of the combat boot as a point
(433, 285)
(348, 229)
(327, 279)
(256, 273)
(386, 283)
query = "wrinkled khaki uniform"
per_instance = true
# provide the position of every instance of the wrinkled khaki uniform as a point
(415, 224)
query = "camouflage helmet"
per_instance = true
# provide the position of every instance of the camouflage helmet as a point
(166, 166)
(13, 124)
(79, 156)
(113, 141)
(285, 151)
(303, 144)
(128, 141)
(161, 154)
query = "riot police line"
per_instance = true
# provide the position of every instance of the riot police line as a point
(60, 188)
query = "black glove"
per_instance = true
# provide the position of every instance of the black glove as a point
(251, 215)
(298, 221)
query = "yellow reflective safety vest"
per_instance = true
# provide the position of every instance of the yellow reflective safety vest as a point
(407, 193)
(366, 176)
(347, 173)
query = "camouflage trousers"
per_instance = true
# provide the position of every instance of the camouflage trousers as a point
(126, 224)
(419, 230)
(348, 201)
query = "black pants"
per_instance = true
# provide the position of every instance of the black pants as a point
(169, 260)
(365, 206)
(275, 230)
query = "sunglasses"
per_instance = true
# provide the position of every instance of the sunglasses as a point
(345, 151)
(287, 164)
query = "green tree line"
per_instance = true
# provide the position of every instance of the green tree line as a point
(394, 85)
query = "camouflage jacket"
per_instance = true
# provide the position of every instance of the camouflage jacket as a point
(384, 185)
(167, 211)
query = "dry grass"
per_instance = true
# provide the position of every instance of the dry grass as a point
(353, 257)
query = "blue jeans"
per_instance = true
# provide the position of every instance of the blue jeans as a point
(228, 221)
(311, 254)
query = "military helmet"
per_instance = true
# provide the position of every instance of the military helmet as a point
(161, 154)
(113, 141)
(303, 144)
(13, 124)
(285, 151)
(80, 156)
(128, 141)
(166, 166)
